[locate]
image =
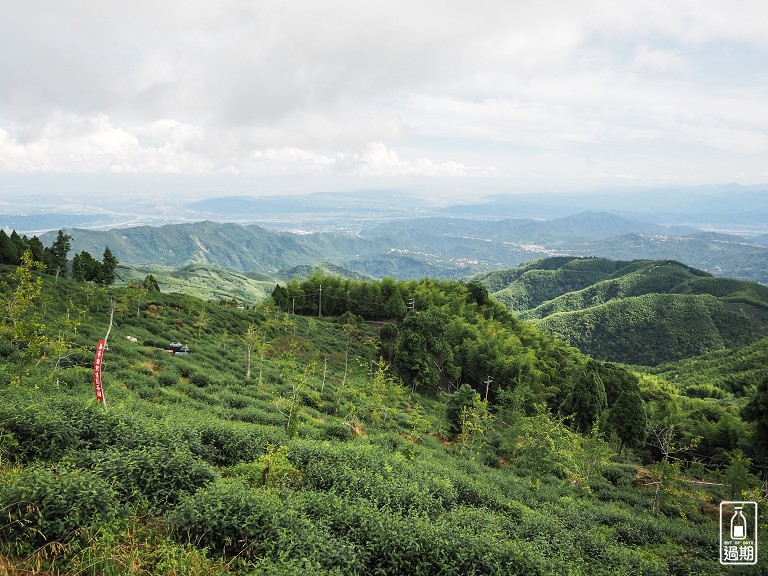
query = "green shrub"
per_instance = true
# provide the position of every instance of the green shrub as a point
(226, 444)
(158, 474)
(199, 379)
(168, 378)
(228, 518)
(52, 504)
(256, 415)
(41, 432)
(620, 475)
(337, 430)
(258, 526)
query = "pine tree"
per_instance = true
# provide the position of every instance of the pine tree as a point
(8, 252)
(37, 249)
(588, 401)
(150, 284)
(85, 267)
(19, 242)
(108, 265)
(59, 251)
(628, 420)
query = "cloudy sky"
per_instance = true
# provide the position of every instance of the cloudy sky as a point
(266, 96)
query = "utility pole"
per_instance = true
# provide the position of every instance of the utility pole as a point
(488, 381)
(293, 310)
(320, 305)
(325, 369)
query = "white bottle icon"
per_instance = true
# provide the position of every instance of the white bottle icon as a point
(738, 525)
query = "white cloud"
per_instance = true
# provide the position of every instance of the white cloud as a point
(377, 160)
(67, 142)
(375, 88)
(373, 160)
(656, 59)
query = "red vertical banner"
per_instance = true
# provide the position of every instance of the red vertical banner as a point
(97, 371)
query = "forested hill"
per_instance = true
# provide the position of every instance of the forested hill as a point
(317, 442)
(251, 248)
(439, 247)
(639, 312)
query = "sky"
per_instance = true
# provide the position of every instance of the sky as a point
(447, 96)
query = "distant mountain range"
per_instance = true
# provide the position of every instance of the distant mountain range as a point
(436, 246)
(638, 312)
(719, 205)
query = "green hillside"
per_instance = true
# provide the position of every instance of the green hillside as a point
(419, 247)
(638, 312)
(252, 248)
(228, 246)
(731, 371)
(529, 285)
(286, 444)
(204, 281)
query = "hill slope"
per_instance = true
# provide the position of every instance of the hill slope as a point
(419, 247)
(639, 312)
(318, 461)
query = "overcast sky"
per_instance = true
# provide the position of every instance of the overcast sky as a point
(466, 96)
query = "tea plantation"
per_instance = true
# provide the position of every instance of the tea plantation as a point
(307, 444)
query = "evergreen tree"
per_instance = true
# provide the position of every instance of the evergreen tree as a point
(478, 293)
(108, 265)
(395, 307)
(280, 296)
(78, 270)
(20, 243)
(59, 250)
(37, 249)
(588, 401)
(8, 252)
(424, 354)
(388, 336)
(464, 398)
(628, 420)
(150, 284)
(85, 268)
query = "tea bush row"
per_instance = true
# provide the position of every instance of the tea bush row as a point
(354, 536)
(156, 474)
(41, 504)
(69, 424)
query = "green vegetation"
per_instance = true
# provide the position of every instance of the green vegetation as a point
(284, 444)
(715, 374)
(203, 281)
(638, 312)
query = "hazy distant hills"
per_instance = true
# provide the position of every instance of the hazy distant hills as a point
(731, 204)
(34, 223)
(640, 312)
(437, 246)
(584, 226)
(252, 248)
(229, 246)
(720, 254)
